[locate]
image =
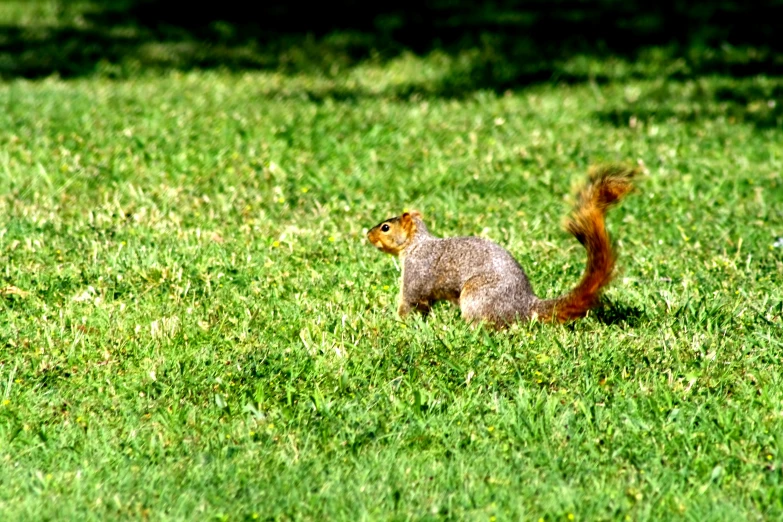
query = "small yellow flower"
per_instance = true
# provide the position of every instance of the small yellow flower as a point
(6, 402)
(331, 239)
(305, 190)
(385, 287)
(570, 516)
(275, 244)
(490, 429)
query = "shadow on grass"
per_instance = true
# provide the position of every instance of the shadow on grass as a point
(505, 44)
(612, 313)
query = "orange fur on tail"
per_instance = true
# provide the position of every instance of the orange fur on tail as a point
(608, 184)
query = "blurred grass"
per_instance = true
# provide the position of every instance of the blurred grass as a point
(194, 326)
(492, 46)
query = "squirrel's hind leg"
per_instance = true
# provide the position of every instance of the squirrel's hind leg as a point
(484, 301)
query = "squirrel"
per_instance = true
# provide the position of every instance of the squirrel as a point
(484, 278)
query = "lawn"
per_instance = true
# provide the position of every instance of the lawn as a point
(195, 328)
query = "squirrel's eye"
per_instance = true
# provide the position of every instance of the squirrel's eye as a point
(384, 228)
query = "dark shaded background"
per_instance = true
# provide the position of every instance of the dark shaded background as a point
(517, 41)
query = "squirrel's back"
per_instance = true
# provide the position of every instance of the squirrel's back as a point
(445, 266)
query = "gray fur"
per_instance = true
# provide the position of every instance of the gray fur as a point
(483, 277)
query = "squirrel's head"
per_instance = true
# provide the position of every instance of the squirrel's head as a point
(394, 235)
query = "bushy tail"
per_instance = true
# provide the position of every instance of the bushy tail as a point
(607, 185)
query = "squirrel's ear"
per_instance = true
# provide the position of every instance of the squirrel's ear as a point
(406, 220)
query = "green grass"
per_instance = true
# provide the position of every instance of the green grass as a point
(204, 333)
